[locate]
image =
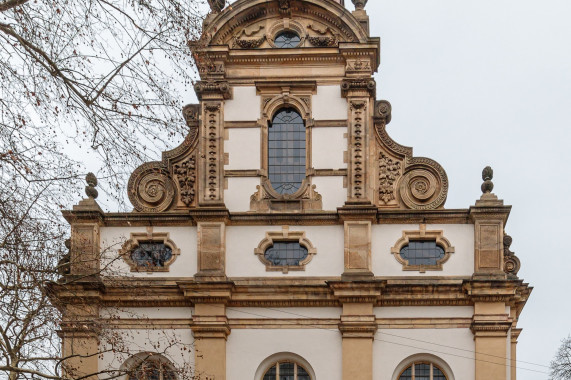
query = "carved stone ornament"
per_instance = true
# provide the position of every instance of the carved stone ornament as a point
(249, 40)
(405, 181)
(284, 6)
(216, 5)
(359, 4)
(511, 261)
(208, 89)
(149, 246)
(267, 199)
(487, 175)
(358, 66)
(324, 38)
(422, 235)
(171, 183)
(359, 87)
(284, 235)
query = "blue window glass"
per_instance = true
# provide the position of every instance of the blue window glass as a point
(287, 40)
(287, 371)
(286, 151)
(151, 254)
(422, 253)
(285, 253)
(422, 371)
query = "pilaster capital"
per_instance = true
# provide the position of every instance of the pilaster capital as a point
(358, 87)
(213, 90)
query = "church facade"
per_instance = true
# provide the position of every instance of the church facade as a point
(288, 236)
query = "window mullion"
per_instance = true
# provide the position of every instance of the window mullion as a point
(431, 372)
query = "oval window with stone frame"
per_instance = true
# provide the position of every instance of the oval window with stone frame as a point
(287, 39)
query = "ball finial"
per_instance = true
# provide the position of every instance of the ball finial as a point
(90, 189)
(359, 4)
(487, 175)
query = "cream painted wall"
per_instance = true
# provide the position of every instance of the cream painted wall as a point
(242, 262)
(244, 105)
(185, 265)
(157, 341)
(327, 147)
(333, 194)
(328, 104)
(425, 312)
(454, 346)
(237, 195)
(243, 148)
(283, 312)
(461, 237)
(147, 312)
(246, 349)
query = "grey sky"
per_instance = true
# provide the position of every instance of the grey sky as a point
(489, 83)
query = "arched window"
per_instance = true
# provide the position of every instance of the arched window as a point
(422, 371)
(286, 370)
(286, 151)
(148, 366)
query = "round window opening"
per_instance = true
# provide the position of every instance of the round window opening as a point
(287, 40)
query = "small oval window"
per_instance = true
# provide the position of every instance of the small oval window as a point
(287, 40)
(422, 253)
(151, 254)
(286, 253)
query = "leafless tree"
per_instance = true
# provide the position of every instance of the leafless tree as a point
(561, 364)
(99, 75)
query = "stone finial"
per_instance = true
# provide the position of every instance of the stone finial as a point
(359, 4)
(487, 175)
(217, 5)
(90, 189)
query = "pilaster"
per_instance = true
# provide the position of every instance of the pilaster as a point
(357, 326)
(210, 327)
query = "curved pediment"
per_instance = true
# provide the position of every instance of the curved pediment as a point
(251, 24)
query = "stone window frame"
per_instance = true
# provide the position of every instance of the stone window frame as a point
(285, 235)
(271, 107)
(281, 357)
(286, 25)
(423, 358)
(137, 238)
(134, 362)
(422, 234)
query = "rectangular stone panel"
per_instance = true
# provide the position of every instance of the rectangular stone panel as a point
(357, 246)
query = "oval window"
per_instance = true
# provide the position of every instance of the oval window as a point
(286, 253)
(286, 151)
(287, 40)
(422, 253)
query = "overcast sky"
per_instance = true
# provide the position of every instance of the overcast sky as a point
(476, 83)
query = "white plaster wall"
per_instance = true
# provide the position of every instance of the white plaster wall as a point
(327, 147)
(246, 349)
(147, 312)
(157, 341)
(243, 148)
(280, 312)
(244, 105)
(328, 104)
(333, 194)
(461, 237)
(424, 312)
(237, 195)
(454, 346)
(242, 262)
(185, 265)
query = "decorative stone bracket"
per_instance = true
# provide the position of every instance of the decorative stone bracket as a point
(171, 183)
(404, 181)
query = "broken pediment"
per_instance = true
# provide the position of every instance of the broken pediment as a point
(402, 180)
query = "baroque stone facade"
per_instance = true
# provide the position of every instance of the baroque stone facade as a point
(350, 269)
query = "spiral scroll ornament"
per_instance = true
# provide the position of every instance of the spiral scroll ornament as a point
(150, 188)
(423, 188)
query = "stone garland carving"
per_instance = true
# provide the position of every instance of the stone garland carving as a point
(357, 149)
(511, 261)
(325, 38)
(153, 186)
(185, 173)
(419, 183)
(389, 172)
(250, 42)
